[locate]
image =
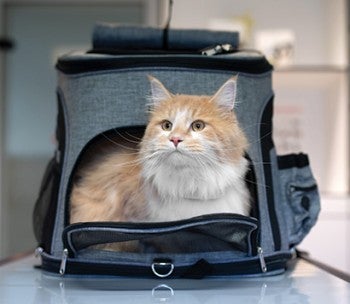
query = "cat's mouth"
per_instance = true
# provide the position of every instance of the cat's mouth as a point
(179, 159)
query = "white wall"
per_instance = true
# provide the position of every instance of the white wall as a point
(30, 109)
(320, 27)
(315, 23)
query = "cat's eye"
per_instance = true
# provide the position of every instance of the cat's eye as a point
(166, 125)
(198, 125)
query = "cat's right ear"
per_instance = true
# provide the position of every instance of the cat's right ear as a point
(158, 92)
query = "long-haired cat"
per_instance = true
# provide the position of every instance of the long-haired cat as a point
(189, 162)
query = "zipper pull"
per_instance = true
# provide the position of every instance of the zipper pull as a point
(64, 261)
(262, 259)
(217, 49)
(38, 251)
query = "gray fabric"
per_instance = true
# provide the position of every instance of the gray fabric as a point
(279, 205)
(300, 216)
(114, 36)
(96, 102)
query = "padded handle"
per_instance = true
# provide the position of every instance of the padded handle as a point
(112, 36)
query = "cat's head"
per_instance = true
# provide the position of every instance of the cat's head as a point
(190, 130)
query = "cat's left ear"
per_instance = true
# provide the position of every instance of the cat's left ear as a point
(158, 91)
(226, 96)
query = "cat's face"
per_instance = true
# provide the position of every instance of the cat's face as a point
(186, 130)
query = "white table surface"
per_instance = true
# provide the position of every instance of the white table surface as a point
(303, 283)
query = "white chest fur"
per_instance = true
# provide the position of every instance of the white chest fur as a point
(184, 192)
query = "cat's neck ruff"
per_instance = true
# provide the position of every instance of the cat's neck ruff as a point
(178, 190)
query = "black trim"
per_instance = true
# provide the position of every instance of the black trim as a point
(49, 221)
(60, 128)
(251, 183)
(293, 160)
(251, 267)
(266, 147)
(69, 65)
(304, 189)
(61, 139)
(44, 213)
(157, 225)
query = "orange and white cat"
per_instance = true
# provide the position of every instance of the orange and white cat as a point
(189, 162)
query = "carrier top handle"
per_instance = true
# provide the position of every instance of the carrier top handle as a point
(167, 26)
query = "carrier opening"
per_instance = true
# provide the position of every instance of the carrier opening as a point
(127, 140)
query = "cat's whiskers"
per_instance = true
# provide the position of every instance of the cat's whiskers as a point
(256, 183)
(126, 164)
(249, 143)
(118, 144)
(134, 137)
(125, 138)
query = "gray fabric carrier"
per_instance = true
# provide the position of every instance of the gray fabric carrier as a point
(105, 90)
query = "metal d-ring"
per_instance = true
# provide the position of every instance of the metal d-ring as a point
(163, 287)
(162, 264)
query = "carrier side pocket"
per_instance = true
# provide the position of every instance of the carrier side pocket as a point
(300, 196)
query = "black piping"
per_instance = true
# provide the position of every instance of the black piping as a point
(266, 147)
(275, 262)
(226, 63)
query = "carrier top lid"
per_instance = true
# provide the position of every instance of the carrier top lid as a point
(245, 61)
(133, 37)
(117, 46)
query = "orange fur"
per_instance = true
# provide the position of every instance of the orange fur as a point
(113, 189)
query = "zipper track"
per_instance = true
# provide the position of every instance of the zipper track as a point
(150, 225)
(71, 65)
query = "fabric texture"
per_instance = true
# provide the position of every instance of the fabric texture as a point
(111, 36)
(97, 102)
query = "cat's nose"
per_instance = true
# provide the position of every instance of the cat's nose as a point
(176, 140)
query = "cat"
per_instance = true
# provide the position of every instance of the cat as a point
(190, 162)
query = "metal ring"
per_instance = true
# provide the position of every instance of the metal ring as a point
(162, 264)
(163, 287)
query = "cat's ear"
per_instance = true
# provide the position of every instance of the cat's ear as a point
(158, 92)
(225, 97)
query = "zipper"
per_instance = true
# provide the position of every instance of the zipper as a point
(63, 262)
(218, 49)
(262, 259)
(38, 251)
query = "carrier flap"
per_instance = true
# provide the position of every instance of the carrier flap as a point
(209, 245)
(209, 233)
